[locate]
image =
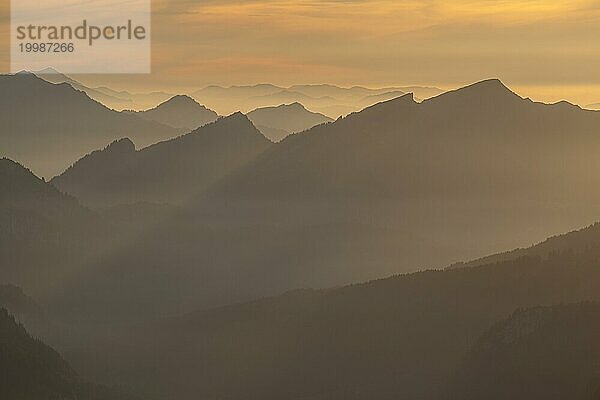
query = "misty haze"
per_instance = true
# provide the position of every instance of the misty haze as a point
(309, 201)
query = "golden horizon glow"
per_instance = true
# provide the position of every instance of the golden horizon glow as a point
(535, 45)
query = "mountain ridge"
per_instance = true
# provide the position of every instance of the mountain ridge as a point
(330, 100)
(404, 335)
(68, 123)
(227, 142)
(180, 111)
(401, 185)
(114, 99)
(289, 118)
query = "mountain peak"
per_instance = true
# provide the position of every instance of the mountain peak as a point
(23, 76)
(122, 146)
(294, 106)
(181, 111)
(278, 122)
(566, 105)
(489, 84)
(486, 91)
(181, 98)
(48, 71)
(178, 101)
(488, 87)
(17, 181)
(236, 122)
(237, 117)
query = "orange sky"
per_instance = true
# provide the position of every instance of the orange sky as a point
(548, 50)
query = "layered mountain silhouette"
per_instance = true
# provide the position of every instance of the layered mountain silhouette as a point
(477, 165)
(179, 112)
(539, 353)
(361, 92)
(51, 246)
(107, 98)
(276, 123)
(377, 98)
(33, 371)
(48, 126)
(399, 186)
(420, 335)
(172, 171)
(399, 144)
(43, 231)
(325, 90)
(115, 99)
(330, 100)
(212, 219)
(576, 241)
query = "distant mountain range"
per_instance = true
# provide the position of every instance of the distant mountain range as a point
(276, 123)
(333, 101)
(107, 98)
(179, 112)
(115, 99)
(47, 126)
(90, 123)
(330, 100)
(377, 98)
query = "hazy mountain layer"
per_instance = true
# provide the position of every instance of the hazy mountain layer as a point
(33, 371)
(286, 119)
(401, 337)
(115, 99)
(109, 99)
(50, 245)
(576, 241)
(48, 126)
(43, 232)
(398, 187)
(330, 100)
(460, 175)
(179, 112)
(172, 171)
